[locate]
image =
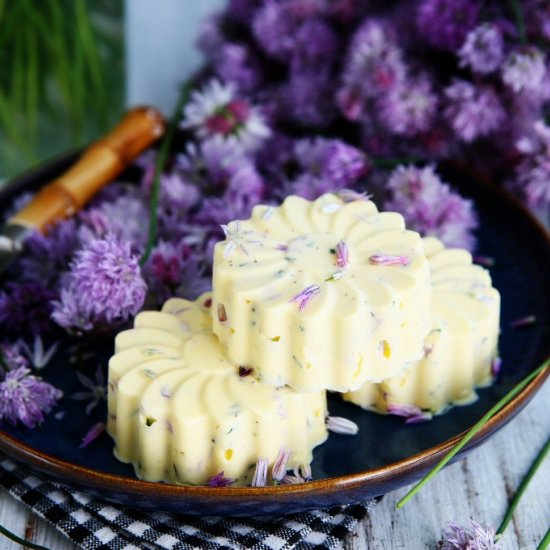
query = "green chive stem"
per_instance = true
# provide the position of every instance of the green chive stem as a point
(159, 166)
(24, 543)
(523, 486)
(3, 363)
(545, 542)
(472, 432)
(520, 22)
(386, 163)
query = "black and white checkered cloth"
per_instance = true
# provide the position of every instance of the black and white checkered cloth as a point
(94, 524)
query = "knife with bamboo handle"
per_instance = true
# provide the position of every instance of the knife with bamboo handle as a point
(99, 164)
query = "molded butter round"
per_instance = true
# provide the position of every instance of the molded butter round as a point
(459, 350)
(289, 303)
(181, 413)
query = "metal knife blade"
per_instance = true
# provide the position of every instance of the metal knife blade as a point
(100, 163)
(12, 238)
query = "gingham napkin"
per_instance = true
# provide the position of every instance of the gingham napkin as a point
(94, 524)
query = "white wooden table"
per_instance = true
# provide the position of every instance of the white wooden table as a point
(477, 487)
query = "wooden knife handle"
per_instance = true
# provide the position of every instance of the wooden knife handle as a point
(99, 164)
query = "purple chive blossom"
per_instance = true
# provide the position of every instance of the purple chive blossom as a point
(92, 434)
(342, 254)
(306, 100)
(173, 270)
(12, 356)
(343, 164)
(216, 212)
(496, 365)
(341, 425)
(304, 297)
(237, 64)
(241, 11)
(116, 190)
(374, 66)
(177, 194)
(245, 185)
(412, 413)
(26, 307)
(45, 257)
(211, 38)
(524, 70)
(278, 471)
(533, 171)
(219, 480)
(526, 321)
(104, 285)
(277, 154)
(412, 184)
(409, 108)
(212, 162)
(96, 390)
(217, 111)
(430, 207)
(387, 259)
(537, 21)
(70, 314)
(26, 398)
(474, 538)
(311, 187)
(454, 220)
(533, 178)
(375, 56)
(316, 46)
(446, 23)
(260, 473)
(165, 264)
(483, 49)
(126, 217)
(472, 111)
(275, 29)
(327, 165)
(310, 154)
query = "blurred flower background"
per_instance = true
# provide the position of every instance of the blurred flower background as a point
(292, 96)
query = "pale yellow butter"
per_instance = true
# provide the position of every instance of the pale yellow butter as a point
(180, 412)
(459, 350)
(363, 321)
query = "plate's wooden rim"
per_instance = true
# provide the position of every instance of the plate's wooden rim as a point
(82, 476)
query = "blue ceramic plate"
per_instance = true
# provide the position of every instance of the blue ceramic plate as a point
(385, 455)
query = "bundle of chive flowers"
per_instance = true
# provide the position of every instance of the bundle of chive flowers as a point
(429, 79)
